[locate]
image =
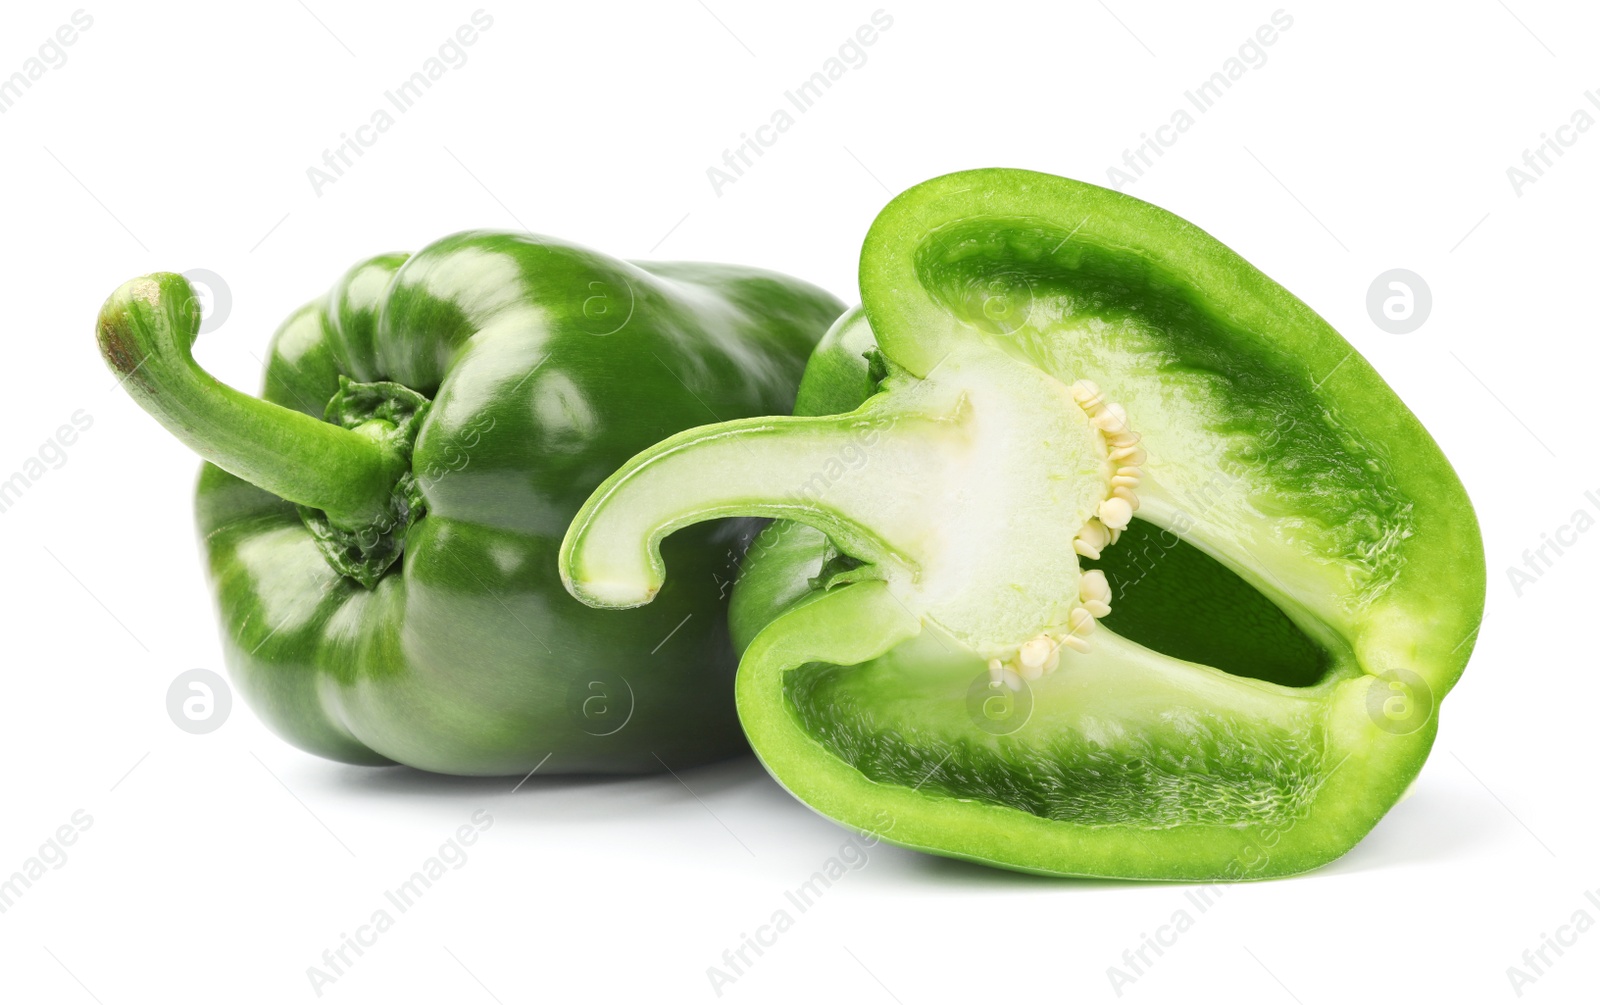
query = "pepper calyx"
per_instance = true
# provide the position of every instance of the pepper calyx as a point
(391, 414)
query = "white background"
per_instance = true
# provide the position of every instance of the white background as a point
(220, 867)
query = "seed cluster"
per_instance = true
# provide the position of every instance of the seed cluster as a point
(1042, 654)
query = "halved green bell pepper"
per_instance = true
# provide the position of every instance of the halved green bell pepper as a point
(1098, 553)
(381, 526)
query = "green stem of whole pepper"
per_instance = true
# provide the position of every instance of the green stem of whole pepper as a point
(146, 332)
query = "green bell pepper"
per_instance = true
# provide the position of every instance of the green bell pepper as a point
(381, 526)
(1098, 553)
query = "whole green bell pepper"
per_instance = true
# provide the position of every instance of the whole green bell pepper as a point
(381, 526)
(1099, 553)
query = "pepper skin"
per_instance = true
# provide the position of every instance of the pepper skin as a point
(381, 526)
(1098, 552)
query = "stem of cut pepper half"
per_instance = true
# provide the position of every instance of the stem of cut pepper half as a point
(970, 493)
(146, 333)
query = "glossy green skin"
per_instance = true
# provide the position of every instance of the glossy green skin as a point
(548, 365)
(783, 621)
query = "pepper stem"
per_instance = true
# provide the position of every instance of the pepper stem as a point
(837, 473)
(146, 333)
